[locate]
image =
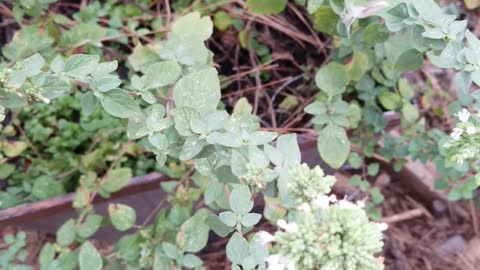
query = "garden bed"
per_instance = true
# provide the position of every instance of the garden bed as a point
(396, 126)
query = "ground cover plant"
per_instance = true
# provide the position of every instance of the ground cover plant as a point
(108, 91)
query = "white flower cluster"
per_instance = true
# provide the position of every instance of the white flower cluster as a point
(470, 129)
(464, 143)
(337, 235)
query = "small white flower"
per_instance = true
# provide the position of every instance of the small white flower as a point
(264, 237)
(321, 201)
(457, 132)
(304, 207)
(276, 262)
(346, 204)
(361, 204)
(463, 115)
(459, 161)
(383, 226)
(471, 130)
(289, 227)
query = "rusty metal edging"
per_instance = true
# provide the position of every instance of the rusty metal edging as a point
(56, 205)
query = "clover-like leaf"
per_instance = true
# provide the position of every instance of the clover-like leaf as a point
(199, 90)
(66, 233)
(89, 258)
(193, 234)
(116, 179)
(118, 103)
(241, 199)
(237, 248)
(193, 27)
(80, 65)
(332, 79)
(333, 145)
(162, 73)
(123, 216)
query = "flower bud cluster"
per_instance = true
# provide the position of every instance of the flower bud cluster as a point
(4, 77)
(254, 177)
(337, 237)
(306, 183)
(34, 94)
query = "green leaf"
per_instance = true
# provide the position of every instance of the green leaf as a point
(326, 20)
(89, 103)
(218, 226)
(261, 137)
(357, 67)
(373, 169)
(105, 68)
(118, 103)
(116, 179)
(58, 64)
(374, 33)
(158, 140)
(193, 234)
(193, 27)
(228, 218)
(183, 117)
(80, 65)
(160, 260)
(390, 100)
(105, 82)
(357, 181)
(405, 89)
(89, 258)
(409, 112)
(267, 7)
(288, 146)
(355, 160)
(333, 145)
(192, 147)
(241, 199)
(46, 187)
(409, 60)
(129, 247)
(376, 195)
(83, 33)
(250, 219)
(222, 20)
(162, 74)
(33, 65)
(237, 248)
(314, 5)
(90, 226)
(213, 191)
(14, 149)
(46, 254)
(123, 216)
(199, 90)
(6, 170)
(191, 261)
(332, 79)
(142, 56)
(66, 233)
(54, 87)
